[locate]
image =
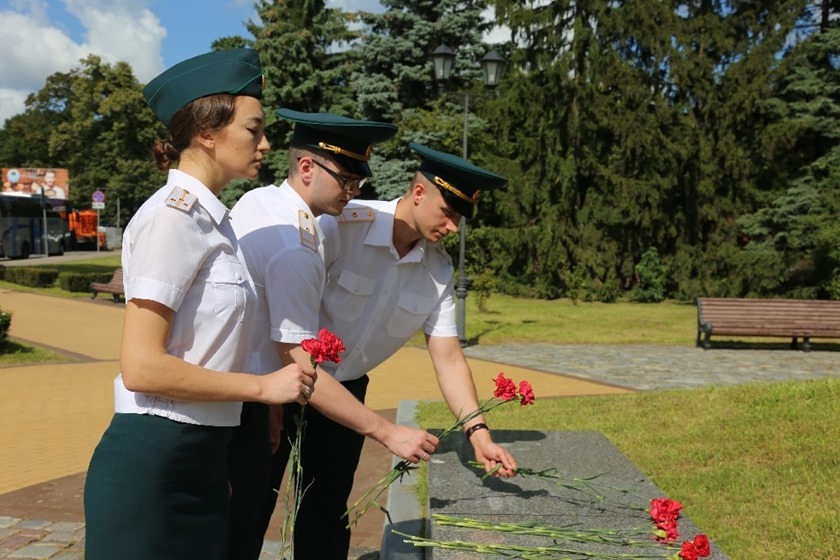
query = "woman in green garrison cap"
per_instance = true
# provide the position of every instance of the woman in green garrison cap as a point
(157, 487)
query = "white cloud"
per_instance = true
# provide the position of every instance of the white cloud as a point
(34, 47)
(125, 30)
(11, 102)
(36, 8)
(32, 50)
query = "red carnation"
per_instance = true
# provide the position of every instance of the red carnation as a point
(688, 552)
(526, 393)
(663, 509)
(664, 513)
(505, 388)
(698, 548)
(670, 528)
(326, 347)
(702, 546)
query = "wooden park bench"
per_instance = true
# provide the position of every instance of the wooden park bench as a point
(782, 318)
(114, 286)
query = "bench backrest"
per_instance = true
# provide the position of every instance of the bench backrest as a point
(117, 278)
(115, 284)
(773, 317)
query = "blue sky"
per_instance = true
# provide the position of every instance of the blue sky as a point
(41, 37)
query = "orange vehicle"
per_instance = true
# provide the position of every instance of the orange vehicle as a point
(83, 226)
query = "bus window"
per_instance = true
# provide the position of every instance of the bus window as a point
(22, 226)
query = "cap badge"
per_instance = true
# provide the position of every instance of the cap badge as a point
(444, 184)
(348, 153)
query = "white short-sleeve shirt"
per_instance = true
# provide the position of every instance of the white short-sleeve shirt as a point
(375, 300)
(180, 250)
(282, 244)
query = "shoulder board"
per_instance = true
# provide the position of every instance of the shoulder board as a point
(356, 214)
(306, 226)
(181, 198)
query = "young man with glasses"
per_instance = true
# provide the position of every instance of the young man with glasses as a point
(283, 247)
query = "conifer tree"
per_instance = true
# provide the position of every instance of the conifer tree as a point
(794, 237)
(395, 81)
(303, 53)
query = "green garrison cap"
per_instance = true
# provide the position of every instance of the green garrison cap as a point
(349, 141)
(460, 182)
(235, 71)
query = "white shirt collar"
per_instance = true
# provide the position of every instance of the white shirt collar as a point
(381, 234)
(292, 194)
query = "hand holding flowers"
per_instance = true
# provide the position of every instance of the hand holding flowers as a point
(493, 455)
(495, 459)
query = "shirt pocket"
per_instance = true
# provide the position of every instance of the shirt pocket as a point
(411, 312)
(228, 281)
(348, 299)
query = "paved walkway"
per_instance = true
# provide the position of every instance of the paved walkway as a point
(647, 367)
(52, 415)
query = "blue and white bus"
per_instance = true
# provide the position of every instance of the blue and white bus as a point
(22, 227)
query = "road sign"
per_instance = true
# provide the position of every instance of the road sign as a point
(98, 205)
(98, 196)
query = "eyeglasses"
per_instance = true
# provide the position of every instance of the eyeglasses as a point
(349, 184)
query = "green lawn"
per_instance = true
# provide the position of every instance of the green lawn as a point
(509, 319)
(13, 353)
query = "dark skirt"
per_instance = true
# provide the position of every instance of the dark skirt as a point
(158, 489)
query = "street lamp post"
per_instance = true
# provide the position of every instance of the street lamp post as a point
(44, 218)
(492, 65)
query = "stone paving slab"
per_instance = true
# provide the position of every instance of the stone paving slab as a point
(28, 539)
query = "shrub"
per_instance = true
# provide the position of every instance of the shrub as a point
(5, 325)
(31, 276)
(651, 274)
(481, 287)
(80, 281)
(575, 284)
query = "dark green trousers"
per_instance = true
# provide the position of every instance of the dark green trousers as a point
(330, 455)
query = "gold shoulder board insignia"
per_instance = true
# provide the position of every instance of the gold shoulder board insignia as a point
(306, 226)
(358, 214)
(181, 198)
